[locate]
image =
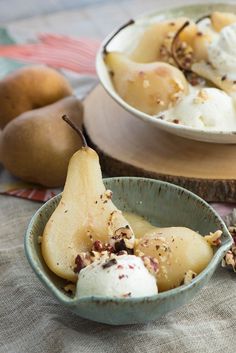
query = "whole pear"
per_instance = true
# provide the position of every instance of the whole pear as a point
(28, 88)
(37, 145)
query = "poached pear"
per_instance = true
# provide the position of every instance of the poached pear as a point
(149, 87)
(178, 250)
(155, 42)
(84, 215)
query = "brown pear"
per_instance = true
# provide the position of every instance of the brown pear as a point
(28, 88)
(37, 145)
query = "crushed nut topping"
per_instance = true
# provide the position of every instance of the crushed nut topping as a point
(99, 250)
(184, 54)
(165, 48)
(109, 263)
(70, 288)
(151, 263)
(82, 260)
(201, 97)
(123, 239)
(230, 258)
(99, 246)
(189, 276)
(214, 238)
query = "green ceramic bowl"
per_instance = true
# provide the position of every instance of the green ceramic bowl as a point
(162, 204)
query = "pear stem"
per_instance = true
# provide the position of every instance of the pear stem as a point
(203, 18)
(76, 128)
(130, 22)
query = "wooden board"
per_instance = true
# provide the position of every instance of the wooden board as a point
(130, 147)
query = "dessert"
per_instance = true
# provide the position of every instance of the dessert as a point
(149, 87)
(177, 61)
(88, 241)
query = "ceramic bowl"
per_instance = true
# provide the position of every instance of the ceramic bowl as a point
(126, 39)
(162, 204)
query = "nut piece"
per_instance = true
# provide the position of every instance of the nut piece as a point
(151, 263)
(230, 257)
(214, 238)
(201, 97)
(70, 288)
(123, 239)
(189, 276)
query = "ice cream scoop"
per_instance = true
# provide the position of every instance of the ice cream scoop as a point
(206, 108)
(222, 52)
(121, 276)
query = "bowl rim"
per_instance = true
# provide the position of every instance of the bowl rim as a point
(136, 112)
(63, 298)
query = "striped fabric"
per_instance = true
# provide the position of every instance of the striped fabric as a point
(58, 51)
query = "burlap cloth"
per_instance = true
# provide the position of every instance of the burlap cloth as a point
(32, 321)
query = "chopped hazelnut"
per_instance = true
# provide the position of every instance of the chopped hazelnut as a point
(214, 238)
(189, 276)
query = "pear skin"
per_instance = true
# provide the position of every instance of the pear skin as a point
(28, 88)
(151, 87)
(37, 145)
(84, 214)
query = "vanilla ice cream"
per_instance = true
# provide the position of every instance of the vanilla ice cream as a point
(206, 108)
(121, 276)
(222, 52)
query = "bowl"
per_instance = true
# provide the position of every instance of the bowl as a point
(125, 40)
(161, 203)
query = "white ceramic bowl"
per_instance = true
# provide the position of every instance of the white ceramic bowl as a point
(125, 39)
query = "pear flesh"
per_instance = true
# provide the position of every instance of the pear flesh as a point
(85, 214)
(155, 42)
(178, 251)
(219, 20)
(150, 88)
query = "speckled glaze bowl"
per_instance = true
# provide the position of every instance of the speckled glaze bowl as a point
(162, 204)
(126, 39)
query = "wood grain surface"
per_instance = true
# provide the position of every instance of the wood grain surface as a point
(129, 146)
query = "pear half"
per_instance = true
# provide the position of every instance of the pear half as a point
(155, 42)
(149, 87)
(84, 214)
